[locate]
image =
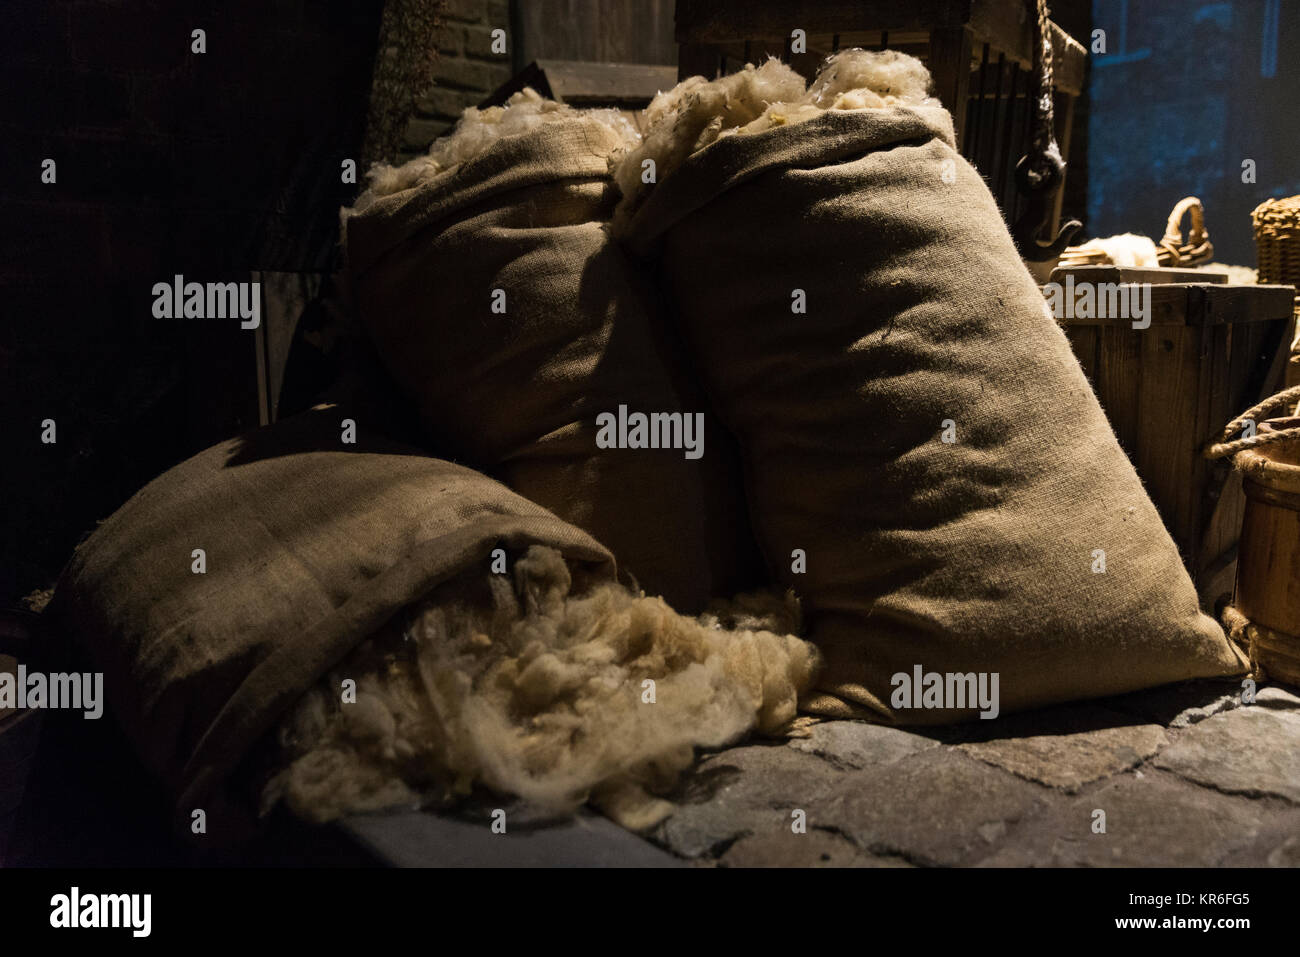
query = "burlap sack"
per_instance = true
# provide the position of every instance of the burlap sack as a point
(518, 392)
(310, 546)
(979, 555)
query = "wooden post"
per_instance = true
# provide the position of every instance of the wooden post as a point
(950, 58)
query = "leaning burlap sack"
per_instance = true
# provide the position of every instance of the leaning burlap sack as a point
(310, 546)
(1026, 546)
(486, 278)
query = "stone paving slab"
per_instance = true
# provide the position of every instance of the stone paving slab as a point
(1188, 775)
(752, 789)
(940, 808)
(854, 745)
(1253, 750)
(1151, 821)
(418, 839)
(781, 847)
(1073, 755)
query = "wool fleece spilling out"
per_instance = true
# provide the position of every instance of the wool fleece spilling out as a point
(516, 683)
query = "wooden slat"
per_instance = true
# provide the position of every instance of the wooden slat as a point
(1204, 304)
(1224, 502)
(612, 31)
(1156, 276)
(720, 21)
(1246, 303)
(1119, 381)
(1003, 24)
(950, 56)
(1167, 449)
(1007, 27)
(1085, 342)
(578, 82)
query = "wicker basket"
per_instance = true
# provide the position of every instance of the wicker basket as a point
(1197, 248)
(1264, 616)
(1277, 240)
(1277, 243)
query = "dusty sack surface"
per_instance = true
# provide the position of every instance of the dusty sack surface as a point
(518, 393)
(310, 547)
(974, 556)
(521, 683)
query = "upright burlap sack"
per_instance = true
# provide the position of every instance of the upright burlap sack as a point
(309, 546)
(503, 310)
(1024, 546)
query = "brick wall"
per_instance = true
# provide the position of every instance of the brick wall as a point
(466, 70)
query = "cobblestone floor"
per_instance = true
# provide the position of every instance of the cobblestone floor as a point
(1186, 775)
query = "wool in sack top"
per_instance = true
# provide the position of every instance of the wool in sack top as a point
(476, 131)
(697, 112)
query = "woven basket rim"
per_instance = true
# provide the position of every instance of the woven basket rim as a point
(1262, 469)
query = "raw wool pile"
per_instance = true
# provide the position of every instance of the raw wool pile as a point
(521, 686)
(694, 113)
(1126, 249)
(477, 130)
(868, 79)
(697, 112)
(1237, 275)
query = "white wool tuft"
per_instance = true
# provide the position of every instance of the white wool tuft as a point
(692, 114)
(892, 77)
(530, 690)
(696, 112)
(1126, 249)
(853, 80)
(477, 130)
(1237, 275)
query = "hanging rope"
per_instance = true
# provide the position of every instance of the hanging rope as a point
(1286, 399)
(1042, 168)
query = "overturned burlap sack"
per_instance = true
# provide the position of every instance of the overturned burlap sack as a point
(309, 546)
(485, 275)
(921, 430)
(522, 683)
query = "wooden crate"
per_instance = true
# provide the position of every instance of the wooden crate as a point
(979, 53)
(1211, 351)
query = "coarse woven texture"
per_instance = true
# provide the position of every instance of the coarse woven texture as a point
(512, 382)
(519, 683)
(977, 555)
(310, 546)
